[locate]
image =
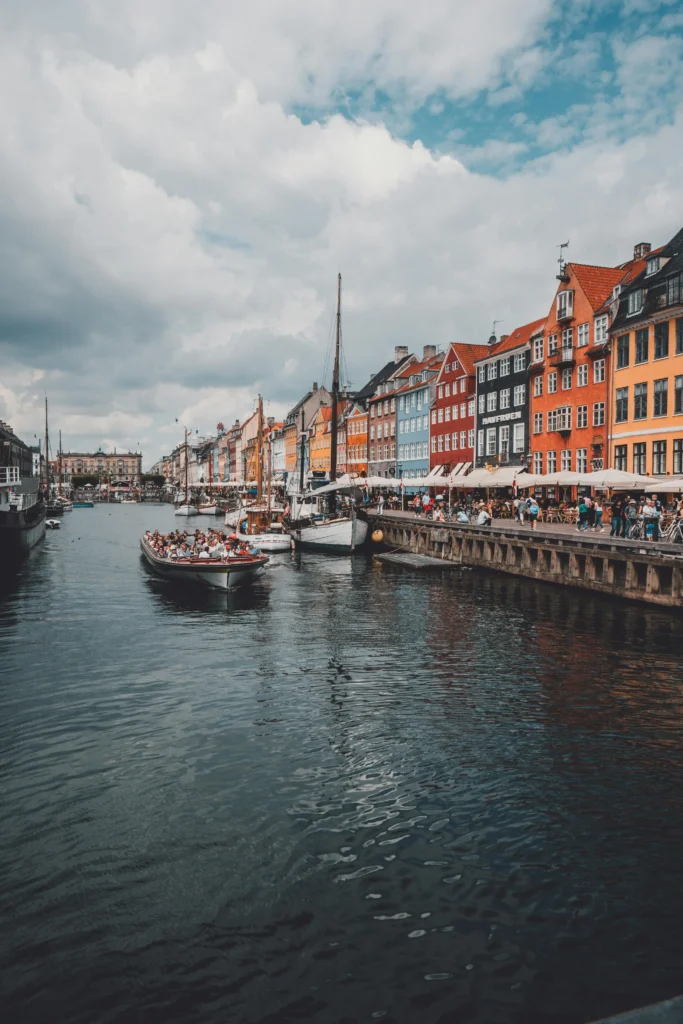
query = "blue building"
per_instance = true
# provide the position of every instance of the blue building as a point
(413, 399)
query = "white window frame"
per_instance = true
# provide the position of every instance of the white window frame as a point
(565, 303)
(583, 335)
(518, 438)
(538, 423)
(582, 375)
(538, 385)
(599, 371)
(505, 398)
(519, 395)
(492, 401)
(600, 330)
(491, 440)
(505, 366)
(552, 382)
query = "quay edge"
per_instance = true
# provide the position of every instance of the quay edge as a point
(599, 564)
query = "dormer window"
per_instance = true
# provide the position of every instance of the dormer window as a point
(635, 301)
(424, 375)
(616, 292)
(565, 304)
(652, 266)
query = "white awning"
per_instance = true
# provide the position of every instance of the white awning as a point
(435, 477)
(503, 476)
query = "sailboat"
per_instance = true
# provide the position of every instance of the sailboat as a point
(209, 508)
(314, 521)
(262, 522)
(185, 509)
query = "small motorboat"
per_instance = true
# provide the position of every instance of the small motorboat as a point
(208, 510)
(221, 572)
(84, 504)
(53, 524)
(264, 529)
(185, 510)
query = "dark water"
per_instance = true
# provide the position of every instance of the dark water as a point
(351, 793)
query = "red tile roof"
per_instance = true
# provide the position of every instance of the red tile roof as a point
(596, 282)
(520, 336)
(467, 355)
(433, 363)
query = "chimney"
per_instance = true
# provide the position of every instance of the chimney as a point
(315, 385)
(641, 250)
(400, 352)
(428, 351)
(504, 337)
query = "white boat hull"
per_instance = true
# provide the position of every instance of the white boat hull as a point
(340, 536)
(208, 510)
(272, 543)
(185, 510)
(235, 515)
(224, 576)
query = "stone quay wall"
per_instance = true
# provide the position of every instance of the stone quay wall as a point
(633, 570)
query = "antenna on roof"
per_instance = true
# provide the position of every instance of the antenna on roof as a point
(562, 276)
(493, 339)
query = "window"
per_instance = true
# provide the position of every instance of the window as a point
(505, 398)
(446, 368)
(386, 408)
(641, 345)
(412, 450)
(463, 409)
(566, 460)
(518, 438)
(566, 379)
(652, 266)
(678, 455)
(470, 439)
(372, 433)
(538, 350)
(552, 462)
(372, 411)
(492, 371)
(640, 402)
(598, 414)
(440, 391)
(372, 453)
(621, 457)
(491, 400)
(470, 407)
(440, 416)
(447, 390)
(552, 382)
(463, 386)
(454, 440)
(674, 290)
(552, 420)
(491, 441)
(568, 337)
(504, 440)
(581, 460)
(520, 394)
(393, 450)
(440, 442)
(481, 374)
(621, 406)
(412, 425)
(678, 394)
(538, 423)
(455, 412)
(538, 386)
(582, 375)
(623, 350)
(419, 399)
(552, 344)
(482, 403)
(601, 326)
(659, 457)
(679, 336)
(447, 414)
(635, 301)
(480, 443)
(662, 340)
(447, 442)
(598, 371)
(661, 401)
(519, 362)
(538, 463)
(565, 304)
(463, 438)
(505, 366)
(433, 415)
(583, 335)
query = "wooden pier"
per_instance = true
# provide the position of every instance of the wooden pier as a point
(636, 570)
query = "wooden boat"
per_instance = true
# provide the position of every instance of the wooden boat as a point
(208, 510)
(185, 510)
(265, 530)
(220, 573)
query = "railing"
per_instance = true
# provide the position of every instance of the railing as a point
(563, 356)
(9, 475)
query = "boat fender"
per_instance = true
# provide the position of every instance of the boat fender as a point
(378, 536)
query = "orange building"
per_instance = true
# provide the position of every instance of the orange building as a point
(646, 433)
(569, 372)
(357, 441)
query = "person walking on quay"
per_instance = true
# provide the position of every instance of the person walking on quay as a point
(649, 521)
(597, 525)
(583, 515)
(417, 505)
(532, 512)
(590, 505)
(630, 516)
(617, 507)
(657, 505)
(380, 503)
(519, 505)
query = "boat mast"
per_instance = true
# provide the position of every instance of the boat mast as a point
(335, 388)
(59, 479)
(186, 455)
(303, 452)
(270, 470)
(47, 453)
(259, 452)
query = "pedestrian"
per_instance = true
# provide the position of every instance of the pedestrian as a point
(649, 518)
(417, 505)
(380, 503)
(583, 515)
(630, 516)
(617, 516)
(657, 505)
(597, 525)
(532, 512)
(520, 508)
(590, 505)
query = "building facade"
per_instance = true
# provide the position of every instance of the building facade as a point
(453, 414)
(413, 401)
(313, 400)
(377, 397)
(357, 441)
(122, 469)
(502, 425)
(646, 423)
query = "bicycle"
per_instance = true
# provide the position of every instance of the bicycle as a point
(674, 531)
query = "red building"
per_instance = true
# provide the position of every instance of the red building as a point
(453, 413)
(569, 372)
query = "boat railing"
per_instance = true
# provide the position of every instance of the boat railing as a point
(9, 475)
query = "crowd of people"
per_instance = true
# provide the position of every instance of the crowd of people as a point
(200, 544)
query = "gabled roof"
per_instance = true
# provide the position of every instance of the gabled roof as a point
(654, 285)
(520, 336)
(466, 355)
(596, 283)
(387, 371)
(416, 368)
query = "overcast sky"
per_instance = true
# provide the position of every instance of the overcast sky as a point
(181, 180)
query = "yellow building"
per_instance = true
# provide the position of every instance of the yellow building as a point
(646, 407)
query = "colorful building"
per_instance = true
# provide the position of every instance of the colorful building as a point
(452, 417)
(502, 426)
(309, 405)
(379, 397)
(646, 422)
(413, 400)
(357, 441)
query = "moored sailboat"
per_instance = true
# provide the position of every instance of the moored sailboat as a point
(185, 508)
(260, 522)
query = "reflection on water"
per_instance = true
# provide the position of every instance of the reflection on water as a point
(348, 791)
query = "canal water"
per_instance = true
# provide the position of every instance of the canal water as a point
(350, 793)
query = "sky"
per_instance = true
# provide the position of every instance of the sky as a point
(180, 184)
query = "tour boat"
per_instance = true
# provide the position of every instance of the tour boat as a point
(314, 521)
(264, 529)
(223, 573)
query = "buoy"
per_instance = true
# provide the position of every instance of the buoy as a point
(378, 536)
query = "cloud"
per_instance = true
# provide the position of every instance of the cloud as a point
(171, 227)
